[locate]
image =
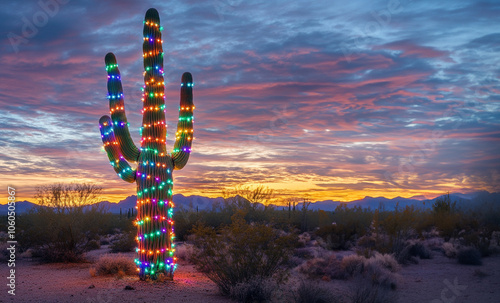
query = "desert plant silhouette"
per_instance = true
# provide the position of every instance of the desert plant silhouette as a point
(153, 175)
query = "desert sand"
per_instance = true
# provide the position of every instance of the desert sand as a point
(427, 281)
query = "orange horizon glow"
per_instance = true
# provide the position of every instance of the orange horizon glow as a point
(281, 191)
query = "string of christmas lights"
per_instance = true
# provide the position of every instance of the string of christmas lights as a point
(153, 175)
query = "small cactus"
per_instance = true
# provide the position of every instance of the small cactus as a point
(153, 174)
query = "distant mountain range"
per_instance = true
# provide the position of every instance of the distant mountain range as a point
(463, 200)
(205, 203)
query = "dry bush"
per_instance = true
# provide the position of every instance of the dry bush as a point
(366, 292)
(375, 277)
(480, 239)
(349, 224)
(379, 275)
(469, 256)
(184, 251)
(418, 249)
(304, 238)
(253, 291)
(305, 252)
(110, 238)
(380, 269)
(111, 264)
(93, 244)
(411, 251)
(353, 265)
(294, 261)
(311, 292)
(399, 226)
(495, 238)
(125, 242)
(385, 260)
(326, 268)
(240, 253)
(28, 254)
(449, 250)
(4, 253)
(74, 222)
(431, 234)
(434, 244)
(402, 247)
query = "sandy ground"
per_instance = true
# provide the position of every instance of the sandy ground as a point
(429, 281)
(73, 283)
(444, 280)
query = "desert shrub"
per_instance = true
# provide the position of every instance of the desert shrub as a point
(350, 224)
(434, 244)
(252, 291)
(353, 265)
(304, 252)
(337, 237)
(412, 250)
(367, 244)
(294, 261)
(387, 261)
(326, 268)
(469, 256)
(4, 253)
(184, 222)
(303, 239)
(478, 239)
(366, 292)
(444, 205)
(418, 249)
(449, 250)
(380, 269)
(399, 226)
(432, 233)
(27, 254)
(378, 274)
(240, 252)
(448, 224)
(404, 256)
(311, 292)
(495, 238)
(446, 217)
(104, 241)
(93, 244)
(113, 265)
(392, 232)
(184, 251)
(251, 202)
(125, 243)
(73, 222)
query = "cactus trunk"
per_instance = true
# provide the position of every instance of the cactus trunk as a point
(153, 175)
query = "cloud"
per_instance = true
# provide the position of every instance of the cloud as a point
(298, 95)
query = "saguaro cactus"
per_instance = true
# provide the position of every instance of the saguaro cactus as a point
(153, 175)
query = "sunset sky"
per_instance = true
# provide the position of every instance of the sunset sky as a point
(325, 99)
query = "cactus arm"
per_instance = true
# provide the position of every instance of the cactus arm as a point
(111, 145)
(117, 110)
(184, 134)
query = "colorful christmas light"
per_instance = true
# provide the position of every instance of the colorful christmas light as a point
(153, 175)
